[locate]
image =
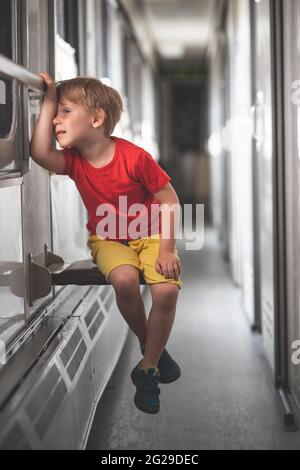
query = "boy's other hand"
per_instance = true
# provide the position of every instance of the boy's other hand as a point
(50, 93)
(168, 265)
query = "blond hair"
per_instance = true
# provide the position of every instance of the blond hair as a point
(93, 95)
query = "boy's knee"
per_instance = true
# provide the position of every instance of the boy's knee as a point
(125, 281)
(165, 296)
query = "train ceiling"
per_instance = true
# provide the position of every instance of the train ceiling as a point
(176, 29)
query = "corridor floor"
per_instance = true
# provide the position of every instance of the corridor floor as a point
(225, 397)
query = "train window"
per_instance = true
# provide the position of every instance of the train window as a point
(71, 25)
(67, 23)
(5, 85)
(5, 29)
(60, 18)
(5, 107)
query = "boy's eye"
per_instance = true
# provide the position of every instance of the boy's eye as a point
(66, 111)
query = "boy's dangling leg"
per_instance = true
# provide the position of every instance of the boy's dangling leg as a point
(125, 280)
(160, 322)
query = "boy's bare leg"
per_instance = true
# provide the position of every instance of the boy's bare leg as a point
(133, 312)
(160, 322)
(125, 280)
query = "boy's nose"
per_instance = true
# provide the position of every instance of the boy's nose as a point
(55, 120)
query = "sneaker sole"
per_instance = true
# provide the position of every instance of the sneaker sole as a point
(144, 409)
(172, 378)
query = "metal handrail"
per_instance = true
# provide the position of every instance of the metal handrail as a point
(17, 72)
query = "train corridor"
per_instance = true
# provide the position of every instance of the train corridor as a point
(207, 98)
(224, 399)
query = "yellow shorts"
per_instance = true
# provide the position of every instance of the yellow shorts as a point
(141, 253)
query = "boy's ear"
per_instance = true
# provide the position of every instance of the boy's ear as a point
(99, 118)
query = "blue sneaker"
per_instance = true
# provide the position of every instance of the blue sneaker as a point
(169, 370)
(147, 391)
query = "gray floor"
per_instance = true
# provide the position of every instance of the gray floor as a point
(225, 397)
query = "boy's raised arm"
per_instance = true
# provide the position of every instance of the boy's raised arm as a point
(40, 147)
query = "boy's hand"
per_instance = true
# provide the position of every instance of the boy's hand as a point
(168, 265)
(50, 93)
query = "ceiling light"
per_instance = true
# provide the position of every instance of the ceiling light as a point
(171, 51)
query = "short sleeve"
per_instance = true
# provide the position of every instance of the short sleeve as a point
(150, 173)
(69, 156)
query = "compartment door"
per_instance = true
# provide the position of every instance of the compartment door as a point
(263, 176)
(291, 70)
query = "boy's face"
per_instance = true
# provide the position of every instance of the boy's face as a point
(72, 124)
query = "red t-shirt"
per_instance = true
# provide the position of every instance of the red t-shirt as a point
(132, 173)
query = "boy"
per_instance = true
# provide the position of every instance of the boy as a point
(83, 113)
